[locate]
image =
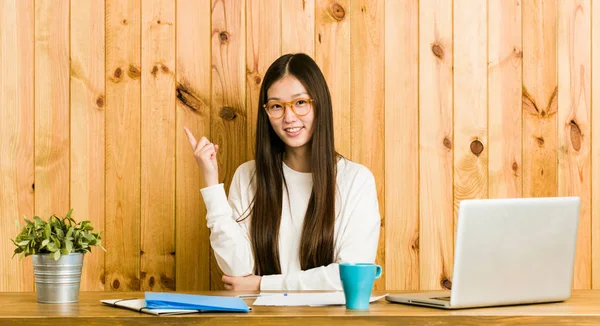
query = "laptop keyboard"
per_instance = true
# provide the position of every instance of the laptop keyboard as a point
(442, 298)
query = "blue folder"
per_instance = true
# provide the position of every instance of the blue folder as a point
(167, 300)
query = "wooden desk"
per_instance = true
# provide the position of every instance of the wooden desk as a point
(22, 309)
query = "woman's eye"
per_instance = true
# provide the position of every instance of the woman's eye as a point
(275, 107)
(300, 102)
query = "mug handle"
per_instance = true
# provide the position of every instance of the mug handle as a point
(377, 271)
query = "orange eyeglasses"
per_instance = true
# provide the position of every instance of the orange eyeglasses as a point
(276, 109)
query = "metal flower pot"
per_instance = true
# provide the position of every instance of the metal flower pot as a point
(57, 281)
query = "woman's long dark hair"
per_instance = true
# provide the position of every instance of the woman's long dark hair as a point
(317, 242)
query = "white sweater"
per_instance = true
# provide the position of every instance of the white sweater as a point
(356, 235)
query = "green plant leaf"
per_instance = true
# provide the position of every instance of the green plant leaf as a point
(52, 247)
(56, 255)
(23, 243)
(69, 246)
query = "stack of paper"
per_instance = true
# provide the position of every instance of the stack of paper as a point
(304, 299)
(140, 305)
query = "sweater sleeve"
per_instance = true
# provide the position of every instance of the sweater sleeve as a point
(358, 243)
(228, 238)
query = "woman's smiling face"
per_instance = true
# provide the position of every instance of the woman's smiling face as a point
(295, 131)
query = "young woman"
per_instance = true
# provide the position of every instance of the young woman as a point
(299, 208)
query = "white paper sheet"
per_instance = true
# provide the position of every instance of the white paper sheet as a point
(305, 299)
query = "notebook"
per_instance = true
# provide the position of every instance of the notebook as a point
(167, 300)
(166, 303)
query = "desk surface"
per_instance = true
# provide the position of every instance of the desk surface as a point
(22, 309)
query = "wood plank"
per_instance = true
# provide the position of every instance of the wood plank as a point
(123, 123)
(574, 162)
(192, 258)
(332, 54)
(158, 146)
(52, 107)
(470, 102)
(16, 137)
(595, 10)
(436, 240)
(228, 109)
(367, 49)
(505, 58)
(263, 46)
(402, 144)
(87, 128)
(540, 135)
(298, 26)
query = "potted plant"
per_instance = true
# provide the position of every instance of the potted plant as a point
(57, 246)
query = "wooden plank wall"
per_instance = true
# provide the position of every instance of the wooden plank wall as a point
(442, 100)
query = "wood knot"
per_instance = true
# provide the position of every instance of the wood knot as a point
(476, 147)
(100, 101)
(142, 275)
(517, 53)
(124, 22)
(142, 252)
(33, 186)
(446, 284)
(158, 22)
(543, 113)
(438, 51)
(167, 282)
(133, 72)
(415, 245)
(118, 74)
(224, 37)
(165, 69)
(540, 141)
(172, 253)
(188, 98)
(134, 284)
(257, 80)
(337, 11)
(227, 113)
(447, 143)
(116, 284)
(575, 135)
(528, 103)
(319, 37)
(151, 281)
(154, 71)
(515, 166)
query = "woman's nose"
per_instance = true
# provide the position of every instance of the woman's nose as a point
(289, 115)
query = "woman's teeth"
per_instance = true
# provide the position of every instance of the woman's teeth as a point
(293, 129)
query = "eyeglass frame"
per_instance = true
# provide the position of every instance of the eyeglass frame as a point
(290, 104)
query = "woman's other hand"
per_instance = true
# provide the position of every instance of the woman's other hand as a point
(205, 153)
(242, 283)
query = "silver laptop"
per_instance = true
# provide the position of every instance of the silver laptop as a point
(509, 251)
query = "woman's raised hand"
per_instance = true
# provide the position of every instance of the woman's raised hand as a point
(205, 153)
